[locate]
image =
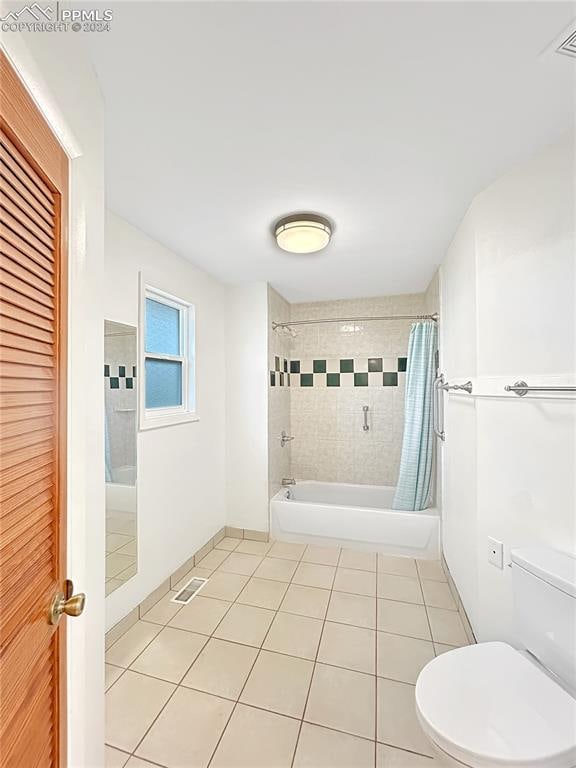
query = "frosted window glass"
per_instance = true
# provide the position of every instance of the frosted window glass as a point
(163, 383)
(162, 328)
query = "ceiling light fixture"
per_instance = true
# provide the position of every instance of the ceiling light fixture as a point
(303, 233)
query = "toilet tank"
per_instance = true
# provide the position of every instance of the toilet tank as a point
(544, 586)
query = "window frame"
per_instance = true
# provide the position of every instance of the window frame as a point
(152, 418)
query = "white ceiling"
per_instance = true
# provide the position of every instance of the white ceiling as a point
(387, 117)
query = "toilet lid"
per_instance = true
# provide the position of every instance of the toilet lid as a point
(488, 706)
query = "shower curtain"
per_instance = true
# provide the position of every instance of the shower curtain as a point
(415, 479)
(107, 462)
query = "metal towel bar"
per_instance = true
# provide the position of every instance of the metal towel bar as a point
(521, 388)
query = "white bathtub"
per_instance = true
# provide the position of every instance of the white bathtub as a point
(121, 490)
(355, 516)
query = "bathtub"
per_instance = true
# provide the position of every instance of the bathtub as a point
(355, 516)
(121, 490)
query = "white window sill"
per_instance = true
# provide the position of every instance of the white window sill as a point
(166, 420)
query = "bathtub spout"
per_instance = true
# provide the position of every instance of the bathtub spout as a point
(288, 481)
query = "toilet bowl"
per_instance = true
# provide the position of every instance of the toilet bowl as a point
(488, 706)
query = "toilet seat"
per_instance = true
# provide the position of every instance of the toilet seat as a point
(488, 706)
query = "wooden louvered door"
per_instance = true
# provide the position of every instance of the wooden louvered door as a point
(33, 215)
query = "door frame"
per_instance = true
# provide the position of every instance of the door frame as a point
(54, 81)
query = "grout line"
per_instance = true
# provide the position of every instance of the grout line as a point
(261, 648)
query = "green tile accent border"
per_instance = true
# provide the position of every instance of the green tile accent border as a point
(390, 379)
(332, 379)
(306, 379)
(294, 366)
(374, 364)
(346, 366)
(319, 366)
(402, 363)
(361, 379)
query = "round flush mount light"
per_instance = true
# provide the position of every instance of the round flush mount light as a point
(303, 233)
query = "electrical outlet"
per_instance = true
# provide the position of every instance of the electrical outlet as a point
(496, 553)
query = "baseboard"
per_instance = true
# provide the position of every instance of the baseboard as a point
(459, 603)
(162, 589)
(246, 533)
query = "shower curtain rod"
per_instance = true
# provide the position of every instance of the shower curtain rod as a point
(354, 320)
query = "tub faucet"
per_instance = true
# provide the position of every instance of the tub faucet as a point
(288, 481)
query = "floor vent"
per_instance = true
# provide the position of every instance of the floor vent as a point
(568, 47)
(189, 591)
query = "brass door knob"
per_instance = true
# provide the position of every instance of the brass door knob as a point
(71, 606)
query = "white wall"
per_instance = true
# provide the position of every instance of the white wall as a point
(247, 406)
(508, 304)
(181, 469)
(61, 79)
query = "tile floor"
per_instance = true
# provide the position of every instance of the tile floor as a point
(290, 657)
(121, 548)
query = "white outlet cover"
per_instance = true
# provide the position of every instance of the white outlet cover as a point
(496, 553)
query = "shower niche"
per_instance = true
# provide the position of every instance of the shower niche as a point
(120, 446)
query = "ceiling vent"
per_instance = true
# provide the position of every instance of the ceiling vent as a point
(568, 46)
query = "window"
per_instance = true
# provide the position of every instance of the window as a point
(167, 354)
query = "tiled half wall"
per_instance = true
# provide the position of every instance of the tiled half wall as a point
(329, 373)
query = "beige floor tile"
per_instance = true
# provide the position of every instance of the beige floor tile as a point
(397, 720)
(111, 585)
(213, 559)
(346, 646)
(447, 627)
(389, 757)
(170, 654)
(224, 586)
(163, 610)
(399, 588)
(137, 762)
(403, 619)
(321, 555)
(358, 610)
(245, 624)
(294, 635)
(362, 561)
(132, 704)
(237, 562)
(115, 541)
(222, 668)
(397, 566)
(437, 594)
(203, 573)
(443, 648)
(257, 739)
(130, 548)
(111, 674)
(187, 731)
(228, 543)
(279, 683)
(116, 563)
(312, 575)
(114, 758)
(263, 593)
(324, 748)
(287, 551)
(254, 547)
(275, 569)
(343, 700)
(431, 569)
(355, 581)
(306, 601)
(202, 614)
(132, 643)
(402, 658)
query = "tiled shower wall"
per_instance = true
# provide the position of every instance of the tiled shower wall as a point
(120, 395)
(335, 370)
(279, 459)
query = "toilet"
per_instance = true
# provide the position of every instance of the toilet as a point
(491, 705)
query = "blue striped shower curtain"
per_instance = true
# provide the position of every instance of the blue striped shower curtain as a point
(415, 480)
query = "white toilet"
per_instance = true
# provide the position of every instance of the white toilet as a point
(490, 705)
